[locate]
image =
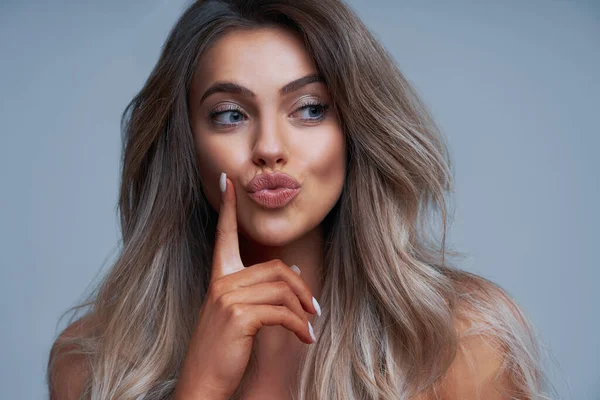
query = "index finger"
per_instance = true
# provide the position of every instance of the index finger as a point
(226, 254)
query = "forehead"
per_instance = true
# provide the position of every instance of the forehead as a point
(254, 57)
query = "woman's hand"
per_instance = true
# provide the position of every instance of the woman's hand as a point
(238, 303)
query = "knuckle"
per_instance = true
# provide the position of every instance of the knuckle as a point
(288, 314)
(277, 264)
(216, 288)
(219, 234)
(281, 286)
(223, 302)
(292, 298)
(288, 294)
(237, 312)
(282, 311)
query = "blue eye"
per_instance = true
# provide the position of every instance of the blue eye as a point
(229, 109)
(313, 108)
(234, 115)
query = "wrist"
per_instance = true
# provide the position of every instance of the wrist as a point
(201, 390)
(197, 395)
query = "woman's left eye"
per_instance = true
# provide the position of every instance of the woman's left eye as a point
(314, 111)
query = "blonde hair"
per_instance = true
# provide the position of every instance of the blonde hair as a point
(390, 297)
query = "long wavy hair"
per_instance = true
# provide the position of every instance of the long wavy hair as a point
(391, 297)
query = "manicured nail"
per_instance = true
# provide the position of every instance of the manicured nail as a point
(312, 333)
(223, 182)
(317, 306)
(295, 269)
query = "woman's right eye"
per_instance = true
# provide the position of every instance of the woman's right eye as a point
(226, 116)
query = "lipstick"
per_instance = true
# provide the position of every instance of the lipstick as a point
(274, 190)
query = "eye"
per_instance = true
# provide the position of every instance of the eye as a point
(314, 110)
(232, 115)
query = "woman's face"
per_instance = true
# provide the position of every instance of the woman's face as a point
(260, 122)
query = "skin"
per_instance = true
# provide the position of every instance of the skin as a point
(270, 132)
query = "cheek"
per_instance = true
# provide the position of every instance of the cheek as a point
(325, 168)
(326, 162)
(214, 157)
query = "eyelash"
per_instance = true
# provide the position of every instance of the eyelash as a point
(309, 103)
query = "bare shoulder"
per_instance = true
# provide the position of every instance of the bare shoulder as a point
(477, 370)
(496, 346)
(67, 368)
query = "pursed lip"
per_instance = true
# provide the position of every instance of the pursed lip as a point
(273, 190)
(271, 181)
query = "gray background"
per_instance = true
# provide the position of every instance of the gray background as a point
(512, 85)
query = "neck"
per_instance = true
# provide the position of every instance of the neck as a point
(306, 252)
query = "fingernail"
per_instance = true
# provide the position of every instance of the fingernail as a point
(295, 269)
(312, 333)
(317, 306)
(223, 182)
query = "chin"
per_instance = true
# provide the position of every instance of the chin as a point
(273, 233)
(274, 239)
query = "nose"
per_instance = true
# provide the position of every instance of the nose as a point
(269, 148)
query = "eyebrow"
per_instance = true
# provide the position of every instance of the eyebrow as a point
(231, 87)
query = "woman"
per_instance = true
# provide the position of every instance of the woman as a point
(278, 174)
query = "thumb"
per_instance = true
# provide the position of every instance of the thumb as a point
(226, 254)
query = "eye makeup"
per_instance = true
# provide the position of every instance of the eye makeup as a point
(233, 109)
